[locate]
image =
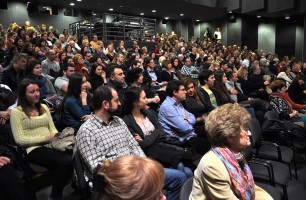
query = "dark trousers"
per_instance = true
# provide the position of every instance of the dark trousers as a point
(59, 163)
(11, 186)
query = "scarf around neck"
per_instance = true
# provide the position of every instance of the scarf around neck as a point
(240, 173)
(281, 96)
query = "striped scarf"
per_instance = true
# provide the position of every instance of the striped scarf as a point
(241, 175)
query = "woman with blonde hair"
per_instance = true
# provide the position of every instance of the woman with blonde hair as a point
(223, 173)
(130, 178)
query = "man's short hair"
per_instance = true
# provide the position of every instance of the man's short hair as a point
(185, 58)
(65, 66)
(204, 75)
(111, 69)
(135, 62)
(102, 93)
(172, 86)
(18, 56)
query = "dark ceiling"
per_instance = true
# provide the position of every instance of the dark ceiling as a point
(202, 10)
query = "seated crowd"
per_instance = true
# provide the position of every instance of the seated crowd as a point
(124, 101)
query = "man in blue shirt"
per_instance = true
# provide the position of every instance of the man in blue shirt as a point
(177, 121)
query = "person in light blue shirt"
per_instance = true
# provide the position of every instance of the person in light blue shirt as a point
(177, 121)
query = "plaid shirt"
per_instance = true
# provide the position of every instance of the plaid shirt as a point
(97, 141)
(191, 71)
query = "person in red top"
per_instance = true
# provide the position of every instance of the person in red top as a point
(79, 64)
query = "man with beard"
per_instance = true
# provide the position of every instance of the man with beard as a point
(105, 136)
(61, 83)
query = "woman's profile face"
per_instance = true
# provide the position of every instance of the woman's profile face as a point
(32, 93)
(224, 79)
(37, 71)
(190, 90)
(84, 84)
(98, 70)
(240, 141)
(142, 103)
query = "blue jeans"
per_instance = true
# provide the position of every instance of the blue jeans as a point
(174, 179)
(186, 170)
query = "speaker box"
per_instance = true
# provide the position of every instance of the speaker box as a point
(3, 4)
(164, 21)
(32, 7)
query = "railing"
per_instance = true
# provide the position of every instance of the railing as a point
(112, 27)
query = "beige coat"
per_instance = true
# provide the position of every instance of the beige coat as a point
(212, 181)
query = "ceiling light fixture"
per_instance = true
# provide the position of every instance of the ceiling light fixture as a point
(141, 13)
(181, 14)
(258, 16)
(230, 12)
(197, 20)
(72, 4)
(153, 10)
(287, 17)
(111, 9)
(167, 18)
(79, 0)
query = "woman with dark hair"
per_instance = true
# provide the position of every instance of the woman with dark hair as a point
(296, 89)
(148, 132)
(41, 49)
(68, 50)
(222, 94)
(18, 43)
(154, 57)
(28, 49)
(76, 103)
(34, 72)
(32, 128)
(175, 64)
(97, 76)
(11, 51)
(168, 72)
(194, 102)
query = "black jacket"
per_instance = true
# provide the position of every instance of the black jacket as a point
(12, 78)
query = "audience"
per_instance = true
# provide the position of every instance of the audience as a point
(190, 76)
(106, 137)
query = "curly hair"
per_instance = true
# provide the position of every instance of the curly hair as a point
(224, 121)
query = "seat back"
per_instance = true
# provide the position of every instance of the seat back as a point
(79, 168)
(255, 130)
(186, 189)
(271, 115)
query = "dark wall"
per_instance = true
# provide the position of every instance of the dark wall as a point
(285, 37)
(249, 32)
(234, 31)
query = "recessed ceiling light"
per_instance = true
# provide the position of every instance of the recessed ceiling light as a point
(153, 10)
(110, 9)
(258, 16)
(141, 13)
(181, 14)
(230, 12)
(93, 14)
(197, 20)
(166, 17)
(287, 17)
(121, 6)
(79, 0)
(72, 4)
